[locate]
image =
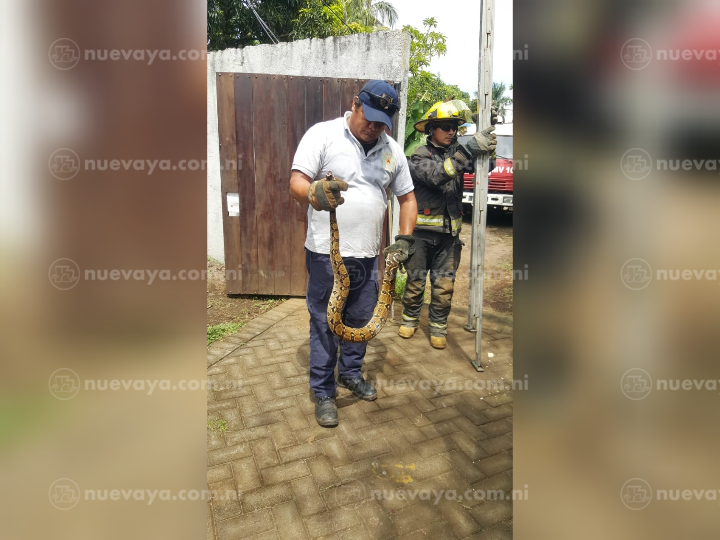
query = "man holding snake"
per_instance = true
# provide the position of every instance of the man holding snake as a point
(365, 161)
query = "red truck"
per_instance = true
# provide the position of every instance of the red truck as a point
(500, 181)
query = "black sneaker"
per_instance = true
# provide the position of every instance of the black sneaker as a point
(359, 387)
(326, 411)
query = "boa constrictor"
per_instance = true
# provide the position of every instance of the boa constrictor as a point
(341, 289)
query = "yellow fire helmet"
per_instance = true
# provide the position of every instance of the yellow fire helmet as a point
(446, 110)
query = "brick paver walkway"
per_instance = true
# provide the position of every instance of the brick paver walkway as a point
(437, 425)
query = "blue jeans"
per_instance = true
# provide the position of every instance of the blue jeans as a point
(358, 311)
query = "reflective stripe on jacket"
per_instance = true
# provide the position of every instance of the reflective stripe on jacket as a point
(438, 194)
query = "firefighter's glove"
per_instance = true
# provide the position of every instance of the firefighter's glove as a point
(493, 116)
(403, 244)
(483, 141)
(325, 194)
(459, 160)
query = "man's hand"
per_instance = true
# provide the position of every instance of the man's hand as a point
(493, 116)
(325, 194)
(402, 245)
(483, 141)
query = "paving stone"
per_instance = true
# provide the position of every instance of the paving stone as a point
(221, 405)
(435, 446)
(247, 435)
(263, 419)
(498, 413)
(500, 532)
(388, 429)
(215, 440)
(299, 451)
(282, 435)
(265, 454)
(368, 449)
(277, 404)
(244, 526)
(246, 474)
(332, 521)
(248, 406)
(285, 472)
(432, 466)
(440, 415)
(336, 452)
(266, 497)
(493, 429)
(403, 448)
(464, 465)
(219, 472)
(470, 429)
(467, 445)
(233, 419)
(491, 513)
(289, 524)
(416, 516)
(436, 531)
(295, 418)
(225, 503)
(307, 496)
(458, 517)
(495, 464)
(322, 471)
(438, 430)
(376, 521)
(229, 453)
(492, 486)
(382, 416)
(496, 444)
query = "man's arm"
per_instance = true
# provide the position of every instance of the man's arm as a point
(408, 213)
(299, 185)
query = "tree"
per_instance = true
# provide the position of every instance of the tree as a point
(370, 13)
(500, 100)
(322, 19)
(424, 45)
(232, 24)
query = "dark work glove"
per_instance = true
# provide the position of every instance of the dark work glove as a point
(402, 245)
(483, 141)
(493, 116)
(325, 194)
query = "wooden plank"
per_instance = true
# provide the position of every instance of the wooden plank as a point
(263, 134)
(314, 98)
(349, 89)
(297, 212)
(228, 181)
(246, 181)
(331, 101)
(279, 175)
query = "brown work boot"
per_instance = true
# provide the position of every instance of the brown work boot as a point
(406, 332)
(438, 342)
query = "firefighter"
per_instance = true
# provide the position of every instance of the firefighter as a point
(437, 170)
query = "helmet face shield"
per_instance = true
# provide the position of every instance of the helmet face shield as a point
(455, 111)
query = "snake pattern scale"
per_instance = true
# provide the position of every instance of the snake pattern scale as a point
(341, 289)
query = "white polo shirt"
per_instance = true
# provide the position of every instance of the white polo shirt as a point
(330, 146)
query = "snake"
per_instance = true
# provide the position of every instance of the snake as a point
(341, 289)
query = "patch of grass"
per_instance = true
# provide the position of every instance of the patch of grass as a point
(400, 281)
(214, 261)
(267, 301)
(219, 331)
(217, 425)
(507, 267)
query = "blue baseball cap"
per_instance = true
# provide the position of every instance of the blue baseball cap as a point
(380, 102)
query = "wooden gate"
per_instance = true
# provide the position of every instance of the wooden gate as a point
(261, 119)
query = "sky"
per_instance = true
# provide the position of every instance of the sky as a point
(459, 20)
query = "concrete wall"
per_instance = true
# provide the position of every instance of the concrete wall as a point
(381, 55)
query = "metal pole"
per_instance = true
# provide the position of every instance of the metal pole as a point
(477, 247)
